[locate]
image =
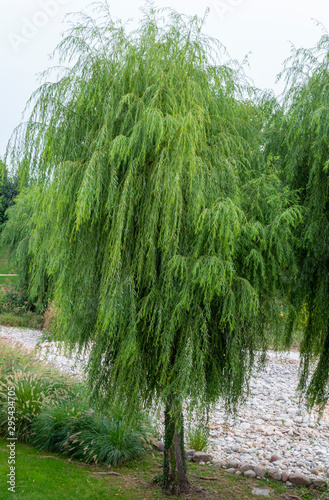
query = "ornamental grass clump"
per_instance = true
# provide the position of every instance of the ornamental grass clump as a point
(69, 427)
(106, 439)
(33, 391)
(52, 426)
(197, 437)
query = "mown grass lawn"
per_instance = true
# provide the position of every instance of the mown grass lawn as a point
(47, 476)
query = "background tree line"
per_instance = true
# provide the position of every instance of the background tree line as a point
(8, 191)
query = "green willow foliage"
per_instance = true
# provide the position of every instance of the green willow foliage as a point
(299, 132)
(165, 234)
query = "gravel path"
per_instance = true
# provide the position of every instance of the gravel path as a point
(50, 352)
(271, 426)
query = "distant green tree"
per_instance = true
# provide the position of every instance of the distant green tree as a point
(27, 244)
(299, 135)
(8, 191)
(164, 231)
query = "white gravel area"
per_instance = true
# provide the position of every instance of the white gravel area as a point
(49, 352)
(273, 424)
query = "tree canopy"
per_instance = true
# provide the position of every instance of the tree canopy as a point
(165, 232)
(299, 134)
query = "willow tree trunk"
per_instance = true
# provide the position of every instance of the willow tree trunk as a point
(174, 462)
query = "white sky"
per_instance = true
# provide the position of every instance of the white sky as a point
(30, 30)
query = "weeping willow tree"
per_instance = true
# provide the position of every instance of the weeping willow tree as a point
(163, 231)
(299, 134)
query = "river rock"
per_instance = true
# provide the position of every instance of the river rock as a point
(189, 453)
(319, 482)
(220, 463)
(200, 456)
(261, 491)
(274, 474)
(249, 473)
(259, 471)
(246, 467)
(284, 476)
(299, 479)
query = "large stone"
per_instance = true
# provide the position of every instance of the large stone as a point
(189, 453)
(318, 482)
(274, 458)
(249, 473)
(220, 463)
(200, 456)
(259, 471)
(284, 477)
(274, 474)
(231, 470)
(261, 491)
(233, 464)
(246, 467)
(299, 479)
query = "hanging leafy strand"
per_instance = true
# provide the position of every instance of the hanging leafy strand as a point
(164, 233)
(299, 133)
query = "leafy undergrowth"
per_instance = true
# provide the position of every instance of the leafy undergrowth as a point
(40, 476)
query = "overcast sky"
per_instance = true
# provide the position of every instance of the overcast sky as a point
(30, 30)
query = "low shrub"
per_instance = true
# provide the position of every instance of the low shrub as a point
(13, 298)
(16, 309)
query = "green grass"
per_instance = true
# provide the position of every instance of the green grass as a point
(41, 476)
(44, 476)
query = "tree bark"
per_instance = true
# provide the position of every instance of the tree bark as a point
(174, 463)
